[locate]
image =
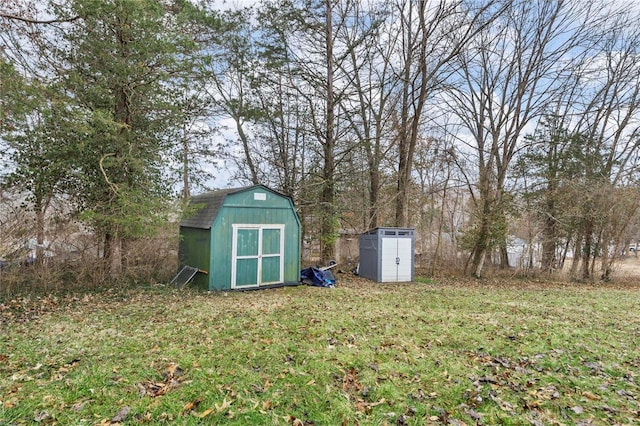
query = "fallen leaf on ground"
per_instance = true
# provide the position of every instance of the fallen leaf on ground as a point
(225, 404)
(174, 370)
(205, 413)
(191, 405)
(172, 379)
(350, 381)
(365, 407)
(591, 396)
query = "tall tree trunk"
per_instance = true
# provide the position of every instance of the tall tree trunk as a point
(327, 196)
(403, 131)
(478, 261)
(436, 252)
(504, 256)
(481, 246)
(401, 194)
(113, 254)
(577, 255)
(374, 188)
(41, 205)
(565, 251)
(483, 234)
(587, 249)
(186, 190)
(548, 245)
(115, 257)
(411, 123)
(247, 150)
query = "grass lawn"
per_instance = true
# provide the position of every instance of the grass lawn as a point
(361, 354)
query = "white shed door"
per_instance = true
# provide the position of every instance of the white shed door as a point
(257, 255)
(395, 265)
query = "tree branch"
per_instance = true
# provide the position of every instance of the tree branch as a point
(35, 21)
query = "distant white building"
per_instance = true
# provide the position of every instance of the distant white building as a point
(523, 254)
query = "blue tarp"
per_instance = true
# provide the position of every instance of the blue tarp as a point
(317, 277)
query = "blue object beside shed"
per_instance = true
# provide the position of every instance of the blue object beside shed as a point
(386, 254)
(243, 238)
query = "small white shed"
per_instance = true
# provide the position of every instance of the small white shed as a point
(386, 254)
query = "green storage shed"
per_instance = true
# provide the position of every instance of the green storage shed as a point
(243, 238)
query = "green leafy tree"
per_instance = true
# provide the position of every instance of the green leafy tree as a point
(547, 165)
(41, 153)
(15, 96)
(120, 60)
(574, 197)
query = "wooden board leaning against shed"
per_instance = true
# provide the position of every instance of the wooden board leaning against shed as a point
(245, 238)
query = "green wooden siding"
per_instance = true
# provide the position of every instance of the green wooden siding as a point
(194, 251)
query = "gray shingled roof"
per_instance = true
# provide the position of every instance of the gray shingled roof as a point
(204, 208)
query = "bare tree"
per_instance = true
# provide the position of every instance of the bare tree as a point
(370, 43)
(584, 152)
(433, 34)
(510, 75)
(308, 36)
(227, 63)
(609, 122)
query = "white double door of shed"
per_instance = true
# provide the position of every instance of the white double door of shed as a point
(395, 261)
(258, 255)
